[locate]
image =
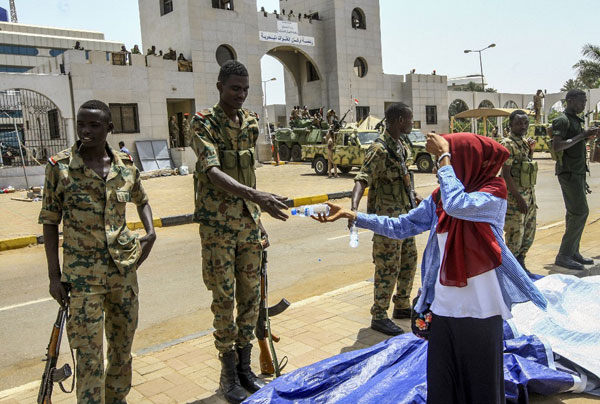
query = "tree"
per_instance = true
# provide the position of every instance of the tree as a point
(588, 69)
(571, 85)
(472, 86)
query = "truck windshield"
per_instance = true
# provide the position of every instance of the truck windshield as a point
(416, 136)
(367, 137)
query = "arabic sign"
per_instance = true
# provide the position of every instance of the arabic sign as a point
(292, 39)
(287, 27)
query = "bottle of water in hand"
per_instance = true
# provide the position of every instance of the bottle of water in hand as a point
(353, 236)
(311, 210)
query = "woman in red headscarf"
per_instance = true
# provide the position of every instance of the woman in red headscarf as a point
(470, 280)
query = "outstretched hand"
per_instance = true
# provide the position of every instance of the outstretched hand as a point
(273, 204)
(335, 212)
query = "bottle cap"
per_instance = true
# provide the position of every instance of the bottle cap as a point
(294, 212)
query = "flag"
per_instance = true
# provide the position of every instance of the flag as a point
(355, 101)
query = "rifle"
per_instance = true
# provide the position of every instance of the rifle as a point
(379, 125)
(407, 178)
(51, 373)
(268, 358)
(337, 124)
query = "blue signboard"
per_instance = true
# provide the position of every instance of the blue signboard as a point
(3, 14)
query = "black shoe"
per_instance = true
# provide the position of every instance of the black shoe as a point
(568, 262)
(248, 379)
(582, 260)
(386, 326)
(400, 314)
(230, 383)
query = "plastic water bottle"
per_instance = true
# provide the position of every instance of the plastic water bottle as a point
(353, 236)
(310, 210)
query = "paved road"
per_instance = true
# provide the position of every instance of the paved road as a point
(306, 259)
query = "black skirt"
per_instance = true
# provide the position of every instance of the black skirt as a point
(465, 361)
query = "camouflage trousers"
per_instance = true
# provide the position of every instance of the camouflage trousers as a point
(519, 228)
(93, 308)
(395, 265)
(231, 255)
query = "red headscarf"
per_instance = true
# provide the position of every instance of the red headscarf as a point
(471, 248)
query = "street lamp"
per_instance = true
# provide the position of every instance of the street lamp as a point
(20, 146)
(492, 45)
(267, 130)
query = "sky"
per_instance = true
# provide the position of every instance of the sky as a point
(537, 41)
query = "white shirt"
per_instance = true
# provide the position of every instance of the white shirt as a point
(481, 298)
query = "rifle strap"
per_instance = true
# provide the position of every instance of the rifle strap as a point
(74, 371)
(391, 152)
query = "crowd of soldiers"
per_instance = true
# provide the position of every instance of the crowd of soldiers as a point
(87, 188)
(291, 15)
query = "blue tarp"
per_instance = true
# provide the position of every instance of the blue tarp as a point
(394, 371)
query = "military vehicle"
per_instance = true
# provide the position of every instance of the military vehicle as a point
(303, 132)
(539, 132)
(422, 159)
(350, 148)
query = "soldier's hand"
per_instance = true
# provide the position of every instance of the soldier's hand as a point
(272, 204)
(350, 221)
(523, 208)
(531, 142)
(146, 242)
(418, 199)
(58, 291)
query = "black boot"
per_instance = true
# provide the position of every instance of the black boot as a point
(247, 378)
(230, 383)
(521, 261)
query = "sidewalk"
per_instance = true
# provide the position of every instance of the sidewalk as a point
(187, 371)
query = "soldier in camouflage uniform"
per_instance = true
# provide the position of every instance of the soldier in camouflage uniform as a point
(87, 187)
(187, 135)
(395, 260)
(520, 173)
(228, 209)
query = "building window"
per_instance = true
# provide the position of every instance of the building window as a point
(223, 4)
(53, 124)
(18, 50)
(166, 6)
(56, 52)
(362, 113)
(360, 67)
(125, 118)
(225, 53)
(14, 69)
(359, 21)
(431, 114)
(311, 72)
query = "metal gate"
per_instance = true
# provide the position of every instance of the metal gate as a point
(34, 121)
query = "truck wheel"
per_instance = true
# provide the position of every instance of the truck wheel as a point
(320, 165)
(296, 153)
(284, 153)
(424, 163)
(345, 170)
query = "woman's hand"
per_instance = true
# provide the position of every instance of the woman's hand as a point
(436, 145)
(335, 212)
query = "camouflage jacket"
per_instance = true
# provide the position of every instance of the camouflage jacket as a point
(93, 214)
(218, 142)
(383, 175)
(519, 153)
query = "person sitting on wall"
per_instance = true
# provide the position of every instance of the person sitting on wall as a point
(136, 50)
(78, 46)
(151, 51)
(181, 58)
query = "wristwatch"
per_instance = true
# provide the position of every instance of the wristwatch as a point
(447, 154)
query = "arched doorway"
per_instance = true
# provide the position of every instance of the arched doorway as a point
(510, 104)
(486, 104)
(38, 123)
(458, 125)
(556, 109)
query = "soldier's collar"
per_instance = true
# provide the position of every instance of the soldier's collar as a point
(514, 136)
(76, 161)
(242, 115)
(574, 115)
(387, 136)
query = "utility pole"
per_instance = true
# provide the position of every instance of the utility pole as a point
(13, 12)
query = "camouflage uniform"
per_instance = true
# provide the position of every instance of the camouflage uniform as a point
(395, 260)
(229, 230)
(275, 148)
(99, 263)
(187, 135)
(519, 227)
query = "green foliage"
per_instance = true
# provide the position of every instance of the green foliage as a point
(588, 68)
(472, 86)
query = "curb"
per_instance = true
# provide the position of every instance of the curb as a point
(177, 220)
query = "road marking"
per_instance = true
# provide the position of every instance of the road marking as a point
(551, 225)
(347, 235)
(16, 306)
